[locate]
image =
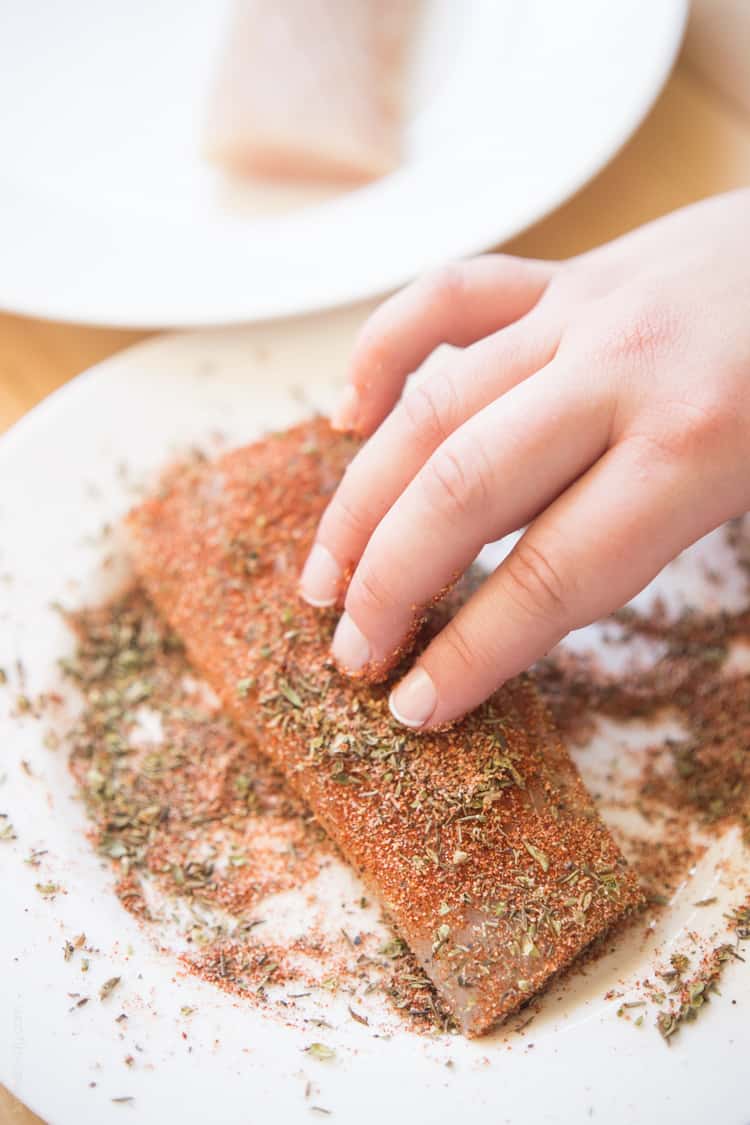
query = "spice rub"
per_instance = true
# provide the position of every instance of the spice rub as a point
(481, 841)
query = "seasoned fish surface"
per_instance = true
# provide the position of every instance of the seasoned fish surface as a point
(481, 840)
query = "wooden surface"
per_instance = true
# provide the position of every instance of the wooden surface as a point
(696, 142)
(717, 46)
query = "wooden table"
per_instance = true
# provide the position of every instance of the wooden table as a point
(696, 142)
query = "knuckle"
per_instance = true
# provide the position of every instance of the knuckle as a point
(428, 406)
(681, 431)
(625, 330)
(572, 285)
(563, 290)
(368, 594)
(642, 334)
(445, 285)
(646, 451)
(461, 651)
(534, 583)
(345, 521)
(455, 481)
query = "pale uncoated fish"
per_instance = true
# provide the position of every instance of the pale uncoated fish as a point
(312, 88)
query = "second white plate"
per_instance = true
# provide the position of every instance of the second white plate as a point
(108, 214)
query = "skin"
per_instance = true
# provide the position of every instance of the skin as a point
(603, 403)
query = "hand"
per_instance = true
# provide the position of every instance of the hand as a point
(603, 401)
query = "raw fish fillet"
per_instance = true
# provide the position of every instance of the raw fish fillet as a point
(480, 841)
(312, 88)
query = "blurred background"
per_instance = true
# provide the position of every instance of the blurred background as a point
(286, 246)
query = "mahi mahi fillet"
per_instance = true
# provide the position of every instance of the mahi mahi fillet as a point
(480, 841)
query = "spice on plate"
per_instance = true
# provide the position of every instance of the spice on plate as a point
(695, 992)
(7, 831)
(538, 877)
(108, 987)
(690, 787)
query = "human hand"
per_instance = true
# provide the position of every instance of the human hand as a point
(603, 401)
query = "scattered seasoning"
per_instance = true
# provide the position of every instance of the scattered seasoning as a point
(70, 947)
(537, 854)
(627, 1007)
(708, 783)
(48, 890)
(739, 921)
(7, 831)
(695, 992)
(320, 1052)
(108, 987)
(690, 789)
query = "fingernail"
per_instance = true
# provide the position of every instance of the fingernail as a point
(350, 647)
(321, 578)
(346, 414)
(414, 699)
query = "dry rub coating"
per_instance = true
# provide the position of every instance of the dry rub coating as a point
(480, 841)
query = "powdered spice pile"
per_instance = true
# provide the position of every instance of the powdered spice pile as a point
(481, 842)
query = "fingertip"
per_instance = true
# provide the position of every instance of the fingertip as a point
(321, 578)
(345, 418)
(350, 648)
(413, 701)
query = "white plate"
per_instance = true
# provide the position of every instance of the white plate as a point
(61, 477)
(107, 214)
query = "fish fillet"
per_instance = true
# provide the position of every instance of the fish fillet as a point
(480, 841)
(312, 88)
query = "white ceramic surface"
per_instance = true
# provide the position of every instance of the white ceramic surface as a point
(73, 464)
(108, 214)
